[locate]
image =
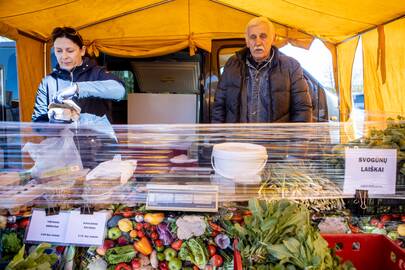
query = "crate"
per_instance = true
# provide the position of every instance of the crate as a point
(368, 251)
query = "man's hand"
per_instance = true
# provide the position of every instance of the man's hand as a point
(66, 93)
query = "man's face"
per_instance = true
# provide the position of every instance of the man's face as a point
(259, 40)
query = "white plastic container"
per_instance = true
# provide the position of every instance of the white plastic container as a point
(241, 162)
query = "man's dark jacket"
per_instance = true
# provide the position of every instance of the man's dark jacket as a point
(290, 100)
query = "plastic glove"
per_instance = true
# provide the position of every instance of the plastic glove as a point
(66, 93)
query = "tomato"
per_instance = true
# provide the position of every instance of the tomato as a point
(385, 218)
(127, 212)
(214, 233)
(163, 265)
(159, 243)
(139, 226)
(380, 225)
(374, 221)
(123, 266)
(403, 218)
(24, 223)
(214, 226)
(212, 250)
(136, 264)
(216, 260)
(146, 226)
(140, 234)
(154, 235)
(177, 244)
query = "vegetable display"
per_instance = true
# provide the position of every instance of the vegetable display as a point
(279, 235)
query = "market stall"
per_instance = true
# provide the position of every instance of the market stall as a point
(259, 196)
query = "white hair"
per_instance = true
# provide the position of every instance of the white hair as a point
(259, 20)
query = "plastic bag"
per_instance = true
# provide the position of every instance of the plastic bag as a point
(113, 169)
(54, 156)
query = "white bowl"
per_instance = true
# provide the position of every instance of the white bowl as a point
(238, 160)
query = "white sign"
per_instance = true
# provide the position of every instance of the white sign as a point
(88, 230)
(67, 228)
(43, 228)
(370, 169)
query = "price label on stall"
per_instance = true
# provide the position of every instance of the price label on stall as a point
(50, 229)
(67, 228)
(199, 198)
(370, 169)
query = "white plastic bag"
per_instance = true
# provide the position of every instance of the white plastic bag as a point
(113, 169)
(54, 156)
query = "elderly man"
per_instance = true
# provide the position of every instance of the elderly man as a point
(259, 84)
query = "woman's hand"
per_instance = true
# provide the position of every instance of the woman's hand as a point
(66, 93)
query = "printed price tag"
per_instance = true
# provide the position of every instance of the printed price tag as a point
(370, 169)
(199, 198)
(88, 230)
(43, 228)
(67, 228)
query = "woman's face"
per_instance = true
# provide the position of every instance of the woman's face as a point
(68, 53)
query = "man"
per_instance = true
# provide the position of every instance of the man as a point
(259, 84)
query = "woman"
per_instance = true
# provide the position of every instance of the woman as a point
(89, 86)
(75, 77)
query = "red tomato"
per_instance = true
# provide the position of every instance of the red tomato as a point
(385, 218)
(214, 233)
(403, 218)
(127, 212)
(380, 225)
(154, 235)
(159, 243)
(139, 226)
(163, 265)
(140, 234)
(177, 244)
(146, 226)
(212, 250)
(374, 221)
(136, 264)
(122, 266)
(216, 260)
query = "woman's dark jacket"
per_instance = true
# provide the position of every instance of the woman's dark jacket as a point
(96, 88)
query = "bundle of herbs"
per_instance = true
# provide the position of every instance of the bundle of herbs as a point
(278, 235)
(302, 184)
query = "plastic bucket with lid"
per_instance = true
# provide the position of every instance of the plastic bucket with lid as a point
(238, 161)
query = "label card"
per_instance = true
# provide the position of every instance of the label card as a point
(86, 230)
(370, 169)
(43, 228)
(199, 198)
(67, 228)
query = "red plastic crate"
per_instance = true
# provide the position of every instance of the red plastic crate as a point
(368, 251)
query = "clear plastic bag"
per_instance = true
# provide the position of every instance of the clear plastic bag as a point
(54, 156)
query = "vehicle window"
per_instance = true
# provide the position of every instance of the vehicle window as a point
(224, 54)
(127, 77)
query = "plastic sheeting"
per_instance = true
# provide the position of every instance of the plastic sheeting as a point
(305, 160)
(151, 27)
